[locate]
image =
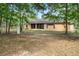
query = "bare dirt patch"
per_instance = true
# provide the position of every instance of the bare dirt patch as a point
(45, 43)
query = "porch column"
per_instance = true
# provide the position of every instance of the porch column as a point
(45, 26)
(35, 26)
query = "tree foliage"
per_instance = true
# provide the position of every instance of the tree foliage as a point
(18, 14)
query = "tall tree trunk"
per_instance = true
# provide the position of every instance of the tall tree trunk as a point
(6, 26)
(21, 24)
(78, 12)
(18, 27)
(0, 23)
(66, 21)
(54, 24)
(10, 22)
(9, 26)
(77, 17)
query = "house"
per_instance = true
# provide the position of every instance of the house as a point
(49, 25)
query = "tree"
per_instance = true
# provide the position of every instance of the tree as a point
(3, 11)
(52, 14)
(0, 17)
(66, 19)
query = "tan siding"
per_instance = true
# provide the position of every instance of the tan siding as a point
(29, 26)
(71, 28)
(50, 27)
(59, 27)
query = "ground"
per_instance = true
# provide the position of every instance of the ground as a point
(39, 43)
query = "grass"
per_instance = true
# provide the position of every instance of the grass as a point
(39, 43)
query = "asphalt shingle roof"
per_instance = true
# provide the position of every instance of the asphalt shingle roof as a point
(41, 21)
(47, 22)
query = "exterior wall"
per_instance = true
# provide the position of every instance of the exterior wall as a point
(29, 26)
(50, 27)
(71, 28)
(58, 27)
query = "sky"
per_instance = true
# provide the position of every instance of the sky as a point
(39, 15)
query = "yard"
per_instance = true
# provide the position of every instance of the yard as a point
(39, 43)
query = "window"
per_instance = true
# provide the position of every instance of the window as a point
(40, 26)
(33, 26)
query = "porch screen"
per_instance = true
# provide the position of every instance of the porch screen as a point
(40, 26)
(33, 26)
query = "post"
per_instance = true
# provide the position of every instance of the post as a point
(35, 26)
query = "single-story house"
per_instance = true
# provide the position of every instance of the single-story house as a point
(49, 25)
